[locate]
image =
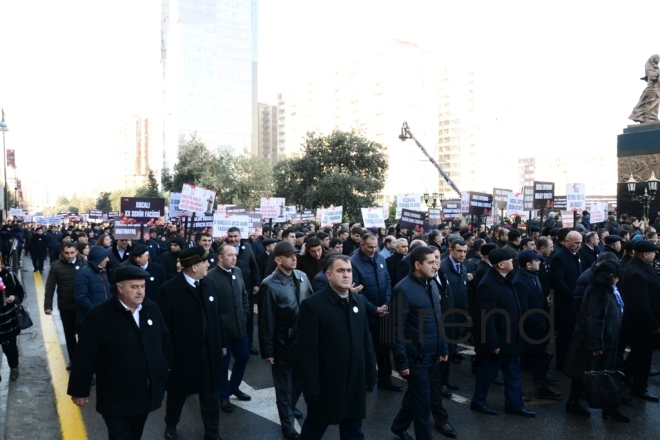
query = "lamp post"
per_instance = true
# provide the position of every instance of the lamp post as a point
(649, 192)
(428, 198)
(3, 128)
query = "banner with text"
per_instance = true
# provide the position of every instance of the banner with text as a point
(465, 203)
(435, 216)
(451, 209)
(332, 216)
(576, 197)
(528, 201)
(272, 207)
(598, 212)
(126, 232)
(373, 217)
(408, 201)
(544, 195)
(141, 210)
(515, 205)
(196, 199)
(175, 199)
(500, 198)
(222, 223)
(412, 220)
(481, 204)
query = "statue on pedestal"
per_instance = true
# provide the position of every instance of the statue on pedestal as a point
(646, 110)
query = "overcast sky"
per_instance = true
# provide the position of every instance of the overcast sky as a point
(70, 70)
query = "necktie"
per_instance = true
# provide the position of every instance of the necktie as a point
(458, 268)
(196, 285)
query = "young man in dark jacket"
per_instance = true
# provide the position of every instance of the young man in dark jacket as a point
(92, 286)
(62, 275)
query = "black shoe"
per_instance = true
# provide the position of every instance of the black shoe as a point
(170, 433)
(445, 392)
(654, 372)
(452, 386)
(616, 416)
(13, 374)
(551, 378)
(240, 395)
(403, 435)
(646, 396)
(370, 388)
(447, 430)
(292, 436)
(390, 386)
(297, 413)
(226, 406)
(483, 409)
(498, 380)
(626, 400)
(253, 350)
(547, 393)
(574, 407)
(521, 412)
(68, 366)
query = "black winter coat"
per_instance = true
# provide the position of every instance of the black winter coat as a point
(130, 363)
(530, 296)
(9, 328)
(233, 300)
(194, 319)
(39, 247)
(338, 356)
(588, 256)
(392, 264)
(168, 260)
(497, 292)
(62, 275)
(641, 298)
(597, 328)
(566, 269)
(372, 274)
(153, 283)
(246, 262)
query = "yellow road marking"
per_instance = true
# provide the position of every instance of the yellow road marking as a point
(71, 421)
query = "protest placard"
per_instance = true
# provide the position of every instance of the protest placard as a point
(528, 201)
(407, 201)
(544, 195)
(412, 220)
(451, 209)
(480, 204)
(435, 216)
(141, 210)
(515, 204)
(126, 231)
(222, 223)
(500, 198)
(332, 216)
(175, 199)
(196, 199)
(272, 207)
(576, 197)
(465, 203)
(373, 217)
(16, 212)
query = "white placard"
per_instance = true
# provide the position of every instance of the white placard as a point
(332, 216)
(17, 212)
(373, 217)
(407, 201)
(175, 199)
(196, 199)
(576, 197)
(221, 223)
(273, 207)
(598, 212)
(515, 204)
(567, 219)
(465, 203)
(222, 209)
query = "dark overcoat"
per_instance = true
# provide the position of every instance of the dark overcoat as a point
(497, 292)
(130, 363)
(182, 309)
(640, 291)
(337, 357)
(530, 295)
(566, 269)
(233, 297)
(597, 328)
(39, 246)
(153, 283)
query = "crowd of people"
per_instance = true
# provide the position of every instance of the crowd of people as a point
(340, 309)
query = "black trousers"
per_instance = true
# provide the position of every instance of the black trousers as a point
(68, 318)
(535, 360)
(642, 357)
(443, 367)
(439, 412)
(125, 428)
(288, 387)
(416, 404)
(38, 263)
(382, 347)
(10, 349)
(209, 405)
(564, 329)
(349, 429)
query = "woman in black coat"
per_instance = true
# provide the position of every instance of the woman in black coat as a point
(595, 338)
(9, 329)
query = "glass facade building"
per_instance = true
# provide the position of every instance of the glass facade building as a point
(209, 60)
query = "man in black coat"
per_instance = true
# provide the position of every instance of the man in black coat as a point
(566, 269)
(141, 257)
(62, 275)
(233, 303)
(500, 342)
(189, 303)
(392, 263)
(333, 376)
(536, 326)
(352, 243)
(641, 316)
(251, 277)
(419, 343)
(126, 343)
(262, 259)
(39, 249)
(168, 259)
(589, 249)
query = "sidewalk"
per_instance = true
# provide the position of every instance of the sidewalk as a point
(27, 406)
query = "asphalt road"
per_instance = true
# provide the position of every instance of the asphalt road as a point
(34, 410)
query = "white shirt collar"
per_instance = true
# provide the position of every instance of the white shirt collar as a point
(189, 280)
(135, 314)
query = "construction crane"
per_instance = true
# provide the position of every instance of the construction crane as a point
(407, 134)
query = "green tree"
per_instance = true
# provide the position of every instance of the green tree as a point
(166, 180)
(252, 178)
(152, 185)
(103, 203)
(343, 168)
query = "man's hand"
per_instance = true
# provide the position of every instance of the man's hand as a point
(48, 312)
(80, 401)
(255, 290)
(497, 351)
(382, 310)
(404, 373)
(356, 289)
(224, 351)
(270, 361)
(470, 277)
(443, 358)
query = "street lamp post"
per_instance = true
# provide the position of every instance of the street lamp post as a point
(3, 128)
(649, 192)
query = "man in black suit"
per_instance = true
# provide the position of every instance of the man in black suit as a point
(262, 259)
(251, 277)
(566, 269)
(498, 302)
(329, 320)
(589, 250)
(641, 316)
(189, 303)
(392, 263)
(140, 257)
(126, 343)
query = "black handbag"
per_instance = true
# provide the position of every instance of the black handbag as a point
(23, 317)
(603, 388)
